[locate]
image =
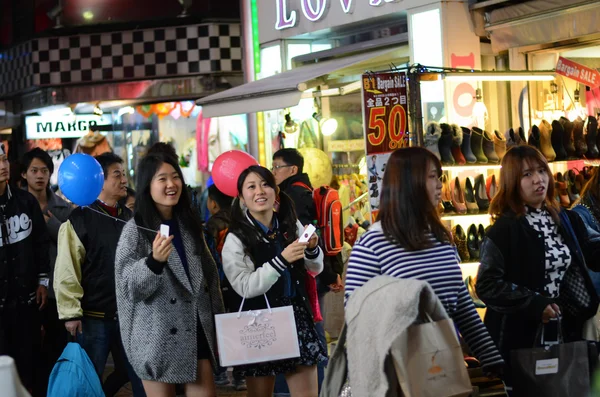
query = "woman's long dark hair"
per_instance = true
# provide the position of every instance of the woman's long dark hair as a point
(406, 213)
(145, 208)
(246, 231)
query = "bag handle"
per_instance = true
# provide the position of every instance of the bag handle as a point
(244, 300)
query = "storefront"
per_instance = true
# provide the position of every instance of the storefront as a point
(129, 89)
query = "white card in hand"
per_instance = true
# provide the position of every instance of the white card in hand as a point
(164, 230)
(307, 234)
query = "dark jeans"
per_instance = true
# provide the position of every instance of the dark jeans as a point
(54, 341)
(20, 338)
(101, 337)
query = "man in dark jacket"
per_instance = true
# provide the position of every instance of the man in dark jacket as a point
(36, 169)
(288, 167)
(84, 275)
(24, 267)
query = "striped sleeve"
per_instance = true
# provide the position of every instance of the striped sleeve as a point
(363, 265)
(474, 331)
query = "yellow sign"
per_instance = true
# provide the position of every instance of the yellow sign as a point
(350, 145)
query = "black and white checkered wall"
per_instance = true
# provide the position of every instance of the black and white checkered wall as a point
(113, 56)
(16, 69)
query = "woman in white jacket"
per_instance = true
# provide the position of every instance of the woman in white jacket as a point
(262, 256)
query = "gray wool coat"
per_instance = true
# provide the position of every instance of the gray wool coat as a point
(158, 312)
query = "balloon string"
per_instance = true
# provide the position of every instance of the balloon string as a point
(120, 220)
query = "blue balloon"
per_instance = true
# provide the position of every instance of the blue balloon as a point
(209, 182)
(80, 178)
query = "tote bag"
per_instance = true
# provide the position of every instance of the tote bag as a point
(558, 370)
(256, 336)
(429, 361)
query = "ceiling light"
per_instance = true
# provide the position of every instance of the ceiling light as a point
(88, 15)
(498, 76)
(328, 126)
(125, 110)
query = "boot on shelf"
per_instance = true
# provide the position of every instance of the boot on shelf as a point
(499, 145)
(572, 190)
(458, 197)
(460, 239)
(568, 143)
(456, 145)
(546, 141)
(480, 235)
(431, 137)
(491, 187)
(521, 134)
(561, 190)
(557, 140)
(445, 144)
(489, 149)
(472, 245)
(465, 146)
(534, 137)
(578, 138)
(480, 193)
(511, 138)
(591, 136)
(477, 145)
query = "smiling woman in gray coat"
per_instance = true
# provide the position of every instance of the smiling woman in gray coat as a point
(167, 287)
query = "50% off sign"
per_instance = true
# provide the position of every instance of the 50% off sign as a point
(384, 103)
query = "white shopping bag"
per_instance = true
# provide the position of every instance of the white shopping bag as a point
(257, 336)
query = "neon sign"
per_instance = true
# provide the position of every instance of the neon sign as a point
(314, 10)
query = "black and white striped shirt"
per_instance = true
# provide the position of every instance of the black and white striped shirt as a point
(374, 255)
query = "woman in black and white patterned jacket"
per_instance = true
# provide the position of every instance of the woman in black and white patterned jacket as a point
(167, 287)
(533, 260)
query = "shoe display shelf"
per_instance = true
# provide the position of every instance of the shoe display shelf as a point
(466, 192)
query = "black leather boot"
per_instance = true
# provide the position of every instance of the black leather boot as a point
(477, 145)
(534, 137)
(557, 139)
(568, 136)
(445, 144)
(465, 146)
(480, 194)
(591, 136)
(578, 138)
(489, 148)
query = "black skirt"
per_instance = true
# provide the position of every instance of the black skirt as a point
(312, 350)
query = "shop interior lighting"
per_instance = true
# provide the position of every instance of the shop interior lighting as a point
(459, 168)
(498, 76)
(328, 126)
(125, 110)
(97, 110)
(472, 218)
(347, 89)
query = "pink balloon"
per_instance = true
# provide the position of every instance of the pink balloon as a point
(227, 169)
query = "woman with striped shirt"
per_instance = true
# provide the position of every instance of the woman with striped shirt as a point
(409, 240)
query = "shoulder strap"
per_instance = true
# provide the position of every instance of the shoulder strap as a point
(302, 184)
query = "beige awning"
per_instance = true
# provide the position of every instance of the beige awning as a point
(285, 89)
(540, 22)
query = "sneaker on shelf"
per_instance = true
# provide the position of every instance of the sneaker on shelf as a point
(240, 385)
(222, 379)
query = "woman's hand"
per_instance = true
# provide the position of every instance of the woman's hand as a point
(551, 311)
(313, 241)
(294, 252)
(162, 247)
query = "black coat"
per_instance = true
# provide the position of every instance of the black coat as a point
(511, 281)
(24, 251)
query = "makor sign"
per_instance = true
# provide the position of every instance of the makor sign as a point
(578, 72)
(71, 126)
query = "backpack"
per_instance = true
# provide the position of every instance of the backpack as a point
(329, 217)
(74, 375)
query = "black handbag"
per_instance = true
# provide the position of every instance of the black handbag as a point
(558, 370)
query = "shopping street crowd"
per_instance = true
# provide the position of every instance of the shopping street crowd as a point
(104, 277)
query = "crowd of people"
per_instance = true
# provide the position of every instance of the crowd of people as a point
(103, 276)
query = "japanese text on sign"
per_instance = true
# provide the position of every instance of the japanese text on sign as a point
(384, 103)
